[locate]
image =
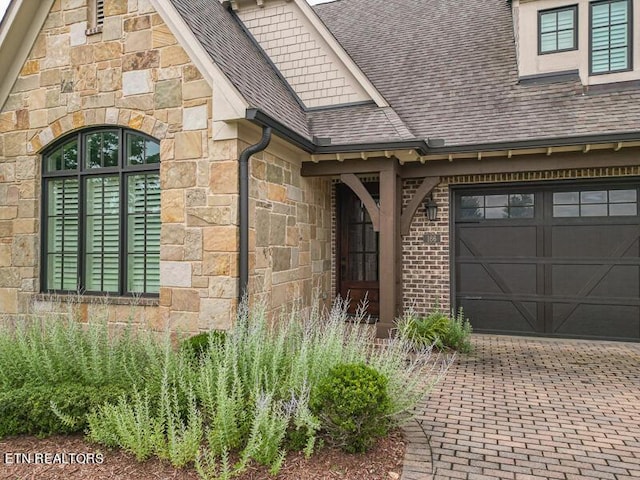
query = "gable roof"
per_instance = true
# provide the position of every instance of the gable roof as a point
(221, 34)
(450, 72)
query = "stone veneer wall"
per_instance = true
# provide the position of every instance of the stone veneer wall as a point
(290, 233)
(133, 74)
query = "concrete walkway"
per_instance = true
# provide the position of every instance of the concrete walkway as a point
(519, 408)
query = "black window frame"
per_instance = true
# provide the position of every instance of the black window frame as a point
(81, 172)
(575, 29)
(460, 209)
(630, 36)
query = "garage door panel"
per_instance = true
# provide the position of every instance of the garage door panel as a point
(620, 281)
(501, 316)
(570, 269)
(599, 321)
(572, 241)
(515, 279)
(498, 241)
(498, 278)
(595, 280)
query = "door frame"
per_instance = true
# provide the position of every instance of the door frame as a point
(343, 189)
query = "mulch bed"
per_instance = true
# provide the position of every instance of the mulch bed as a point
(383, 462)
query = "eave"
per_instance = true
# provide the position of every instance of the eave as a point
(426, 150)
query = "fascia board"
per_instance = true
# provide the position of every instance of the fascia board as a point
(344, 57)
(229, 104)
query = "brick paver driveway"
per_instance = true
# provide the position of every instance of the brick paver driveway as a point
(520, 408)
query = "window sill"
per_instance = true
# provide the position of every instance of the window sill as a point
(97, 299)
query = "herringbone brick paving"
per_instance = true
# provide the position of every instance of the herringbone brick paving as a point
(522, 408)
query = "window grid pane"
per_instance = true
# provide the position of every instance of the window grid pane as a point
(107, 266)
(102, 234)
(493, 207)
(595, 203)
(610, 48)
(62, 234)
(557, 30)
(143, 241)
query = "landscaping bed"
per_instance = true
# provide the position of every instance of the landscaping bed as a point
(304, 397)
(382, 462)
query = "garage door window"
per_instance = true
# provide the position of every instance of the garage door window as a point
(595, 203)
(515, 205)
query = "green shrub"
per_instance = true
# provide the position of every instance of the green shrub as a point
(248, 398)
(458, 335)
(353, 405)
(423, 332)
(51, 409)
(437, 329)
(199, 345)
(129, 424)
(52, 350)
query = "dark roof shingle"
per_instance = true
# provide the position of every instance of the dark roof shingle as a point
(222, 36)
(449, 71)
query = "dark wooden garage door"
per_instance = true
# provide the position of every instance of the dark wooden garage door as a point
(560, 261)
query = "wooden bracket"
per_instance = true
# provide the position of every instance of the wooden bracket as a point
(428, 184)
(365, 197)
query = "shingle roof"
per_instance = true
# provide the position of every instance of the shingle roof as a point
(449, 71)
(247, 67)
(358, 124)
(222, 36)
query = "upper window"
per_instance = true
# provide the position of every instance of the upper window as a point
(610, 48)
(101, 214)
(557, 31)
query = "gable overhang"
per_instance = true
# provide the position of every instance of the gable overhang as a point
(230, 104)
(331, 41)
(19, 29)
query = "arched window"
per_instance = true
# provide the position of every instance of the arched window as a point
(101, 213)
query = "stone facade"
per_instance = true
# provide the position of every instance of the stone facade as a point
(134, 74)
(290, 228)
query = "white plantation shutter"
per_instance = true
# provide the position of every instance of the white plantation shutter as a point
(62, 234)
(102, 214)
(610, 36)
(143, 241)
(102, 236)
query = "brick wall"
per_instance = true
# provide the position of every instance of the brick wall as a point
(425, 266)
(301, 55)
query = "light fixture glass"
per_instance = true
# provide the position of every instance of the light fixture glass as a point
(431, 209)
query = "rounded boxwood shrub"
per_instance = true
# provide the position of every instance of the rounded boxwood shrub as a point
(353, 405)
(29, 409)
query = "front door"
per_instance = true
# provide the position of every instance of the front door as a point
(358, 275)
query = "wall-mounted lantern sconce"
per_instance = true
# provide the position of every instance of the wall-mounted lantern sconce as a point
(431, 209)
